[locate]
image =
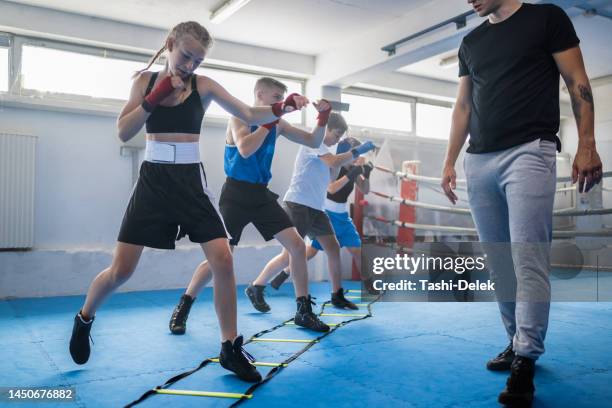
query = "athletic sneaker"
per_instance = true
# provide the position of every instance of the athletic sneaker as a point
(306, 318)
(503, 361)
(339, 301)
(279, 279)
(236, 359)
(519, 386)
(79, 341)
(256, 296)
(178, 321)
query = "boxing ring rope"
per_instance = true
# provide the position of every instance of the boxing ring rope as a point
(466, 211)
(442, 228)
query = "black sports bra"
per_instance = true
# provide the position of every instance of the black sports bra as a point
(185, 117)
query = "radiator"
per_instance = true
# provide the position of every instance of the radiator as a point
(17, 177)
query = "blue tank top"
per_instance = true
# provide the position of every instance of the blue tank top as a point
(255, 169)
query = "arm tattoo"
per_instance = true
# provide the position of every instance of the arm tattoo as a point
(586, 95)
(576, 107)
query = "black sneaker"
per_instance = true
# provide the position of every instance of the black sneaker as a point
(306, 318)
(503, 361)
(279, 279)
(236, 359)
(178, 321)
(256, 296)
(79, 341)
(519, 386)
(339, 301)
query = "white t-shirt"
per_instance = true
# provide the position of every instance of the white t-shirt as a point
(310, 179)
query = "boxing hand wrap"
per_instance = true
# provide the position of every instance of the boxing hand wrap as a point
(270, 125)
(354, 172)
(362, 148)
(367, 169)
(280, 108)
(323, 116)
(158, 94)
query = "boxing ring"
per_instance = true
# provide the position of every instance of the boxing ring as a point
(409, 181)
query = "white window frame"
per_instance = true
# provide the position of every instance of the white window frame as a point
(28, 98)
(6, 41)
(412, 100)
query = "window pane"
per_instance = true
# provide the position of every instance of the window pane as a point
(241, 86)
(377, 113)
(50, 70)
(432, 121)
(4, 69)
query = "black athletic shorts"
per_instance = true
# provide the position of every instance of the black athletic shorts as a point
(309, 221)
(242, 203)
(170, 201)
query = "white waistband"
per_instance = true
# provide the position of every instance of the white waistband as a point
(172, 152)
(335, 207)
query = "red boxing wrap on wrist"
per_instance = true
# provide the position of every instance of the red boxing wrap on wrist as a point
(270, 125)
(323, 117)
(160, 92)
(280, 108)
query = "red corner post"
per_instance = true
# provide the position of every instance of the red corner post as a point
(408, 190)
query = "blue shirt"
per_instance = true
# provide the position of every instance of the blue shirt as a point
(255, 169)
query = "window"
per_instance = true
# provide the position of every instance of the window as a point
(75, 73)
(240, 85)
(380, 113)
(4, 69)
(57, 71)
(432, 121)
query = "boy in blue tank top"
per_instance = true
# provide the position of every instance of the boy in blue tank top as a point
(245, 198)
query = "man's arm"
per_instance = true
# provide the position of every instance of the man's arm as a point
(315, 137)
(337, 160)
(299, 136)
(586, 169)
(246, 142)
(458, 133)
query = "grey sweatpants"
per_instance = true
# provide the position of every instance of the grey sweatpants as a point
(511, 195)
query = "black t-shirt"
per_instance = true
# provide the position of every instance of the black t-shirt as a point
(341, 196)
(515, 80)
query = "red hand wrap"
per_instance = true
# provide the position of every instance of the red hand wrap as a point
(159, 93)
(280, 108)
(323, 116)
(270, 125)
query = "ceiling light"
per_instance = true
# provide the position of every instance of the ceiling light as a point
(225, 10)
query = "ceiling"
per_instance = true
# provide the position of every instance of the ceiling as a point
(303, 26)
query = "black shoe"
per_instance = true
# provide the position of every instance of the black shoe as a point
(178, 321)
(256, 296)
(306, 318)
(503, 361)
(236, 359)
(339, 301)
(79, 341)
(279, 279)
(519, 386)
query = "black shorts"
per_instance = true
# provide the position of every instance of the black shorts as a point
(309, 221)
(242, 203)
(170, 201)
